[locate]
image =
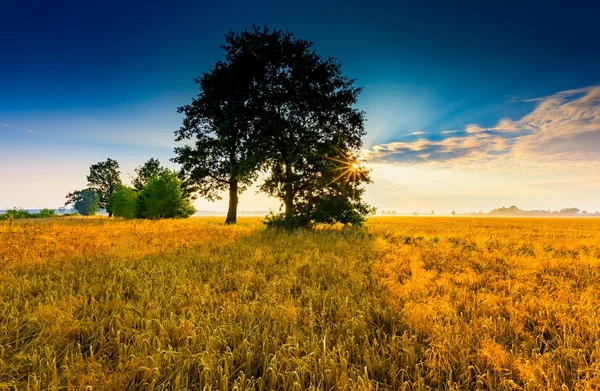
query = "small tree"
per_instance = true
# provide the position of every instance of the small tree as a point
(453, 213)
(163, 197)
(86, 201)
(105, 178)
(125, 202)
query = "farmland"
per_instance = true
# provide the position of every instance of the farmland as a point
(411, 303)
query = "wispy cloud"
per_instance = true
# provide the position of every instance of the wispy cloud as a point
(29, 131)
(451, 131)
(563, 127)
(5, 125)
(417, 133)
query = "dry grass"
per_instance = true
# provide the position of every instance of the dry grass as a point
(412, 303)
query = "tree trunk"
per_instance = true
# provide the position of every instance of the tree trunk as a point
(289, 190)
(233, 203)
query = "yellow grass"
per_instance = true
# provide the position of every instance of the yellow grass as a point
(411, 303)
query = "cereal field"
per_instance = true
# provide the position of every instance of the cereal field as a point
(414, 303)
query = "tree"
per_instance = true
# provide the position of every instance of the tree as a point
(453, 213)
(226, 152)
(124, 202)
(143, 174)
(105, 178)
(86, 201)
(163, 197)
(303, 110)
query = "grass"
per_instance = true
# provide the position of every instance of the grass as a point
(411, 303)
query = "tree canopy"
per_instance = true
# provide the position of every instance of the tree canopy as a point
(144, 173)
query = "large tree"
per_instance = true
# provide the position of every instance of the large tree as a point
(223, 156)
(105, 178)
(302, 110)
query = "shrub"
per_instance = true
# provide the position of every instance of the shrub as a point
(287, 222)
(163, 197)
(47, 212)
(125, 203)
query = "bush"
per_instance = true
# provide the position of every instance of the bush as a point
(47, 212)
(124, 203)
(340, 209)
(327, 209)
(163, 197)
(18, 213)
(283, 221)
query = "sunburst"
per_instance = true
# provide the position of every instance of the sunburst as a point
(350, 168)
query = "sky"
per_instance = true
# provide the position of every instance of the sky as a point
(469, 106)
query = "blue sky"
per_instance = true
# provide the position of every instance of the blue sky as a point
(83, 81)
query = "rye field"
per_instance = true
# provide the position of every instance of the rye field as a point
(408, 303)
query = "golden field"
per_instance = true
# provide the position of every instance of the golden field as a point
(412, 303)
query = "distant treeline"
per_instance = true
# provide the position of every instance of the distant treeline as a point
(515, 211)
(510, 211)
(17, 214)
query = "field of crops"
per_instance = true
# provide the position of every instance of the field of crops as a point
(411, 303)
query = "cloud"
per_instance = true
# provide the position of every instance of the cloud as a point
(417, 133)
(564, 127)
(5, 126)
(29, 131)
(451, 131)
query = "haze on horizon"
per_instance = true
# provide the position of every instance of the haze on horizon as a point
(468, 108)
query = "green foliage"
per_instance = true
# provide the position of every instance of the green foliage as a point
(125, 203)
(147, 171)
(18, 213)
(341, 209)
(86, 201)
(286, 221)
(163, 197)
(47, 212)
(105, 178)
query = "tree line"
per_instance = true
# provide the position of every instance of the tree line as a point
(156, 192)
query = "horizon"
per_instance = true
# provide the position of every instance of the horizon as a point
(459, 117)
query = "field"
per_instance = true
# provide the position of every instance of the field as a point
(411, 303)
